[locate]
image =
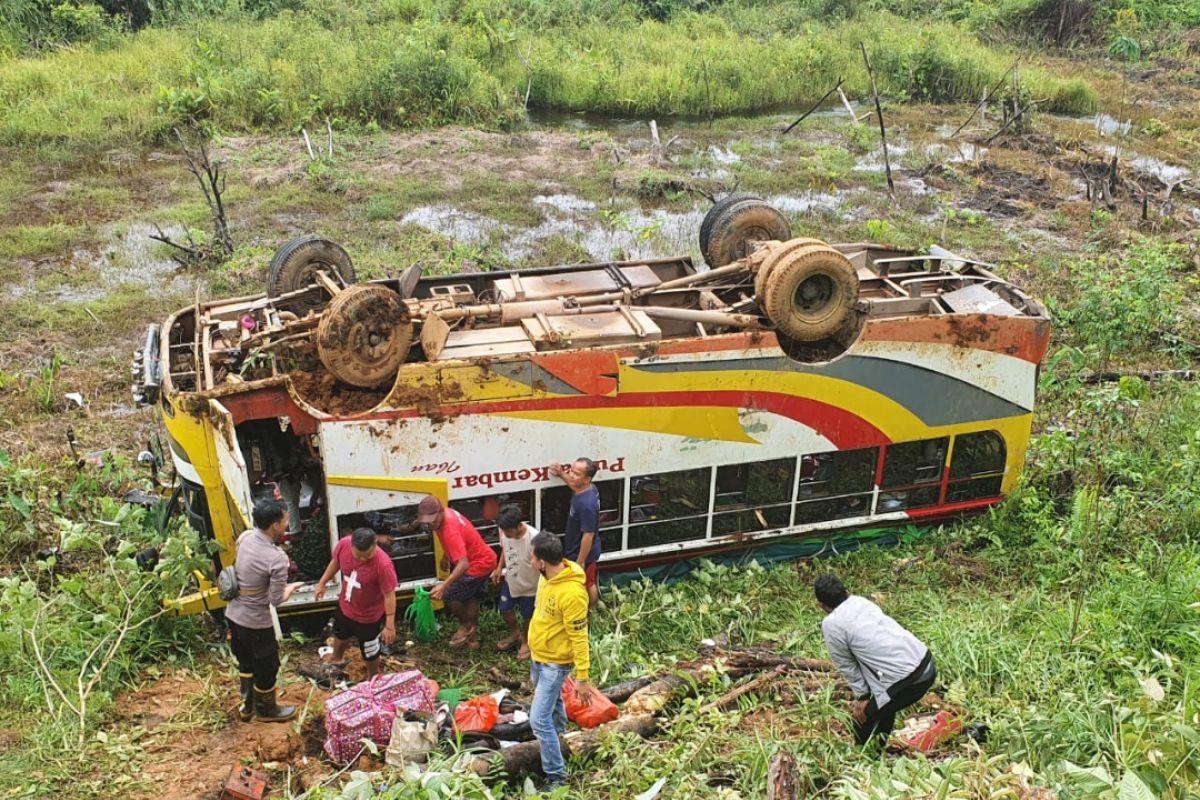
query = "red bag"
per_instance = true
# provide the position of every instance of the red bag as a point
(925, 732)
(600, 711)
(477, 715)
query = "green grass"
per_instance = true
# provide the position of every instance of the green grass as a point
(425, 64)
(33, 241)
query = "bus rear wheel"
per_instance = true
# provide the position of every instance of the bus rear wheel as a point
(296, 264)
(735, 229)
(811, 294)
(777, 254)
(364, 335)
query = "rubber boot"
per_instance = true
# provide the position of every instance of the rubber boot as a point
(267, 710)
(246, 709)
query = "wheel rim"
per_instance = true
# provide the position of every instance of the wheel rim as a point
(814, 296)
(752, 235)
(365, 336)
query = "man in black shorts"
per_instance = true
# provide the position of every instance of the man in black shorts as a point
(366, 599)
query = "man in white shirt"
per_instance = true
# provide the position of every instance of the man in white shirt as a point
(520, 578)
(888, 668)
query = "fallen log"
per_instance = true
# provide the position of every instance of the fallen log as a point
(620, 692)
(655, 696)
(527, 757)
(745, 688)
(783, 783)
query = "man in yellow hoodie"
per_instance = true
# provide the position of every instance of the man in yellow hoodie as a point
(558, 641)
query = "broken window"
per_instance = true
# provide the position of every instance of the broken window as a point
(976, 466)
(556, 505)
(753, 497)
(412, 544)
(669, 507)
(836, 485)
(483, 511)
(912, 474)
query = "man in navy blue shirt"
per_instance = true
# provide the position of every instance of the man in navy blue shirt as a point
(582, 541)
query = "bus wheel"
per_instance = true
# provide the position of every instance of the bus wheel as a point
(296, 264)
(736, 228)
(717, 211)
(778, 252)
(811, 293)
(364, 335)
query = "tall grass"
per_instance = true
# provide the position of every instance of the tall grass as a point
(422, 62)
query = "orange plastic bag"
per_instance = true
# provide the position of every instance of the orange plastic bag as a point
(600, 711)
(477, 715)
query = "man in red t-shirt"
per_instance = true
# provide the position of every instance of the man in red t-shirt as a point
(470, 562)
(367, 599)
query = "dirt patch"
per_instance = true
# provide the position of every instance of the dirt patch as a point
(194, 737)
(1009, 192)
(321, 390)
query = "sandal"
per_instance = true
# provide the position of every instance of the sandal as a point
(459, 639)
(509, 642)
(523, 653)
(473, 642)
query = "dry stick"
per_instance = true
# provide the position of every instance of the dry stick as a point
(1012, 119)
(727, 698)
(986, 94)
(887, 164)
(849, 108)
(708, 93)
(815, 106)
(329, 129)
(308, 144)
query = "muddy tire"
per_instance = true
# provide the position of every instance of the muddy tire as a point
(717, 211)
(735, 230)
(777, 254)
(364, 335)
(295, 266)
(811, 294)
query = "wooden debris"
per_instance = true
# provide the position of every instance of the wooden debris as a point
(783, 781)
(837, 88)
(527, 757)
(887, 163)
(733, 694)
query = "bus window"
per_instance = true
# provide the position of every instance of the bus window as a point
(976, 466)
(556, 505)
(753, 497)
(912, 474)
(839, 472)
(412, 548)
(482, 511)
(914, 463)
(668, 507)
(760, 483)
(836, 485)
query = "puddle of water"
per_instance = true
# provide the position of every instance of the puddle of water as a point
(565, 203)
(1167, 173)
(809, 201)
(955, 152)
(455, 224)
(131, 258)
(723, 155)
(873, 162)
(1107, 125)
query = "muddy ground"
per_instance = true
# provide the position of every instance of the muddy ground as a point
(82, 278)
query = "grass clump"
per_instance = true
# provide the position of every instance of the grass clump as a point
(428, 63)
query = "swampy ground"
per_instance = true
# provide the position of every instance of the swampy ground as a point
(1066, 620)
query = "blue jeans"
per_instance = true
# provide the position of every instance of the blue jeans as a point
(548, 716)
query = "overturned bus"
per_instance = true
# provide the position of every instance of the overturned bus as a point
(792, 391)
